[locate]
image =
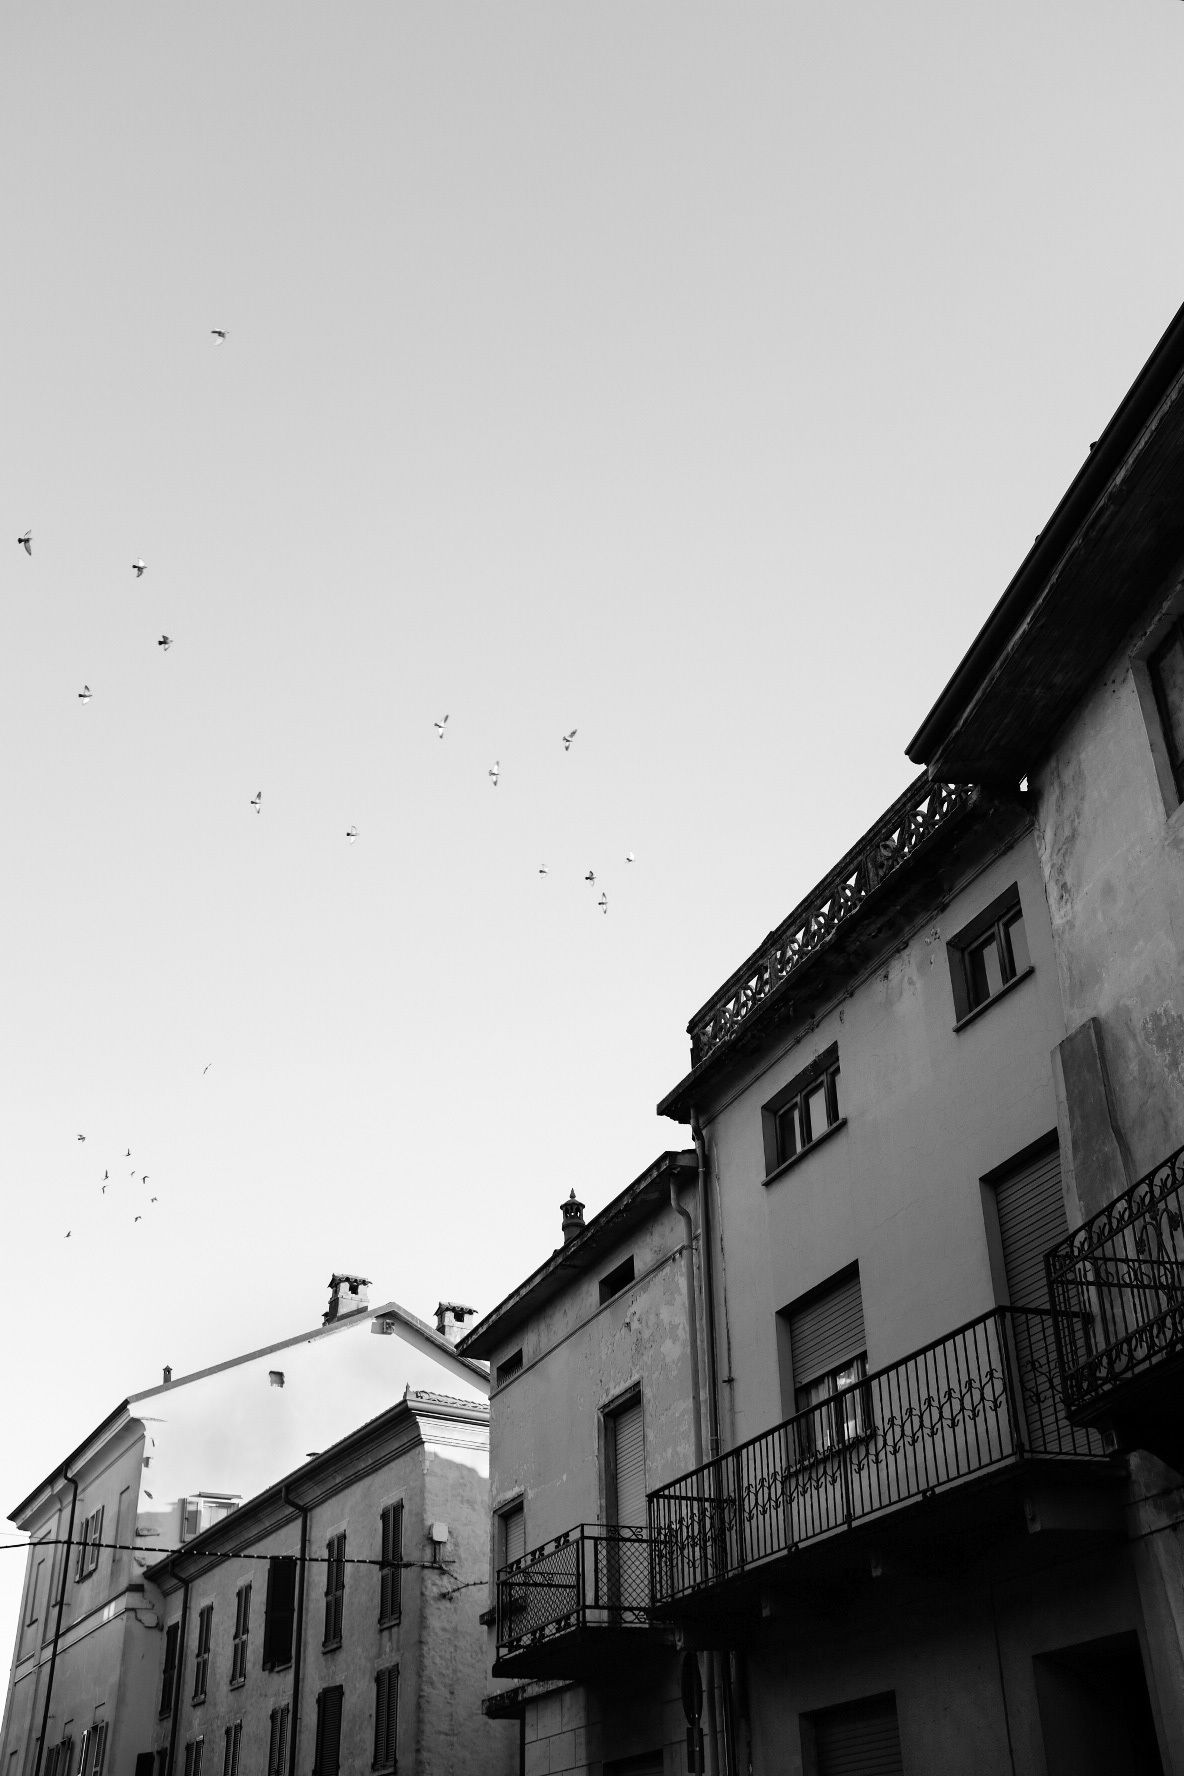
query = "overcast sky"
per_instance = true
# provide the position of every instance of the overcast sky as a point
(695, 377)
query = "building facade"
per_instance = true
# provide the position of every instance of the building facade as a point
(329, 1624)
(166, 1464)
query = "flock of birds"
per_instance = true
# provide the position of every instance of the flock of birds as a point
(164, 643)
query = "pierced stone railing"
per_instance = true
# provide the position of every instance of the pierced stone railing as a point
(899, 835)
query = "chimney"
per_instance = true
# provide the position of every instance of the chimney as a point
(168, 1373)
(450, 1319)
(347, 1295)
(573, 1218)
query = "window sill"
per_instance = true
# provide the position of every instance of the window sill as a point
(330, 1646)
(390, 1621)
(278, 1665)
(1005, 989)
(787, 1165)
(236, 1683)
(487, 1618)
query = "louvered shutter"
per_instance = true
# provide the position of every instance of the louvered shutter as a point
(827, 1330)
(328, 1746)
(630, 1466)
(859, 1739)
(1031, 1219)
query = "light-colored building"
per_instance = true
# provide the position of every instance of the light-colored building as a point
(594, 1367)
(330, 1624)
(166, 1464)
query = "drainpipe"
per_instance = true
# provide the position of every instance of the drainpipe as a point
(178, 1677)
(717, 1671)
(57, 1627)
(298, 1642)
(693, 1319)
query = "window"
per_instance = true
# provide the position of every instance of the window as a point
(827, 1365)
(803, 1111)
(859, 1735)
(193, 1751)
(279, 1610)
(386, 1717)
(34, 1588)
(59, 1758)
(83, 1751)
(512, 1534)
(88, 1546)
(242, 1625)
(390, 1572)
(172, 1636)
(1166, 667)
(988, 955)
(234, 1736)
(616, 1280)
(327, 1756)
(507, 1370)
(162, 1761)
(98, 1754)
(334, 1589)
(201, 1660)
(202, 1510)
(277, 1745)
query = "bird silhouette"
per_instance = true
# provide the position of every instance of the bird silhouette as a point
(206, 1068)
(67, 1233)
(26, 543)
(591, 877)
(257, 800)
(602, 903)
(629, 858)
(495, 771)
(85, 694)
(102, 1190)
(138, 568)
(542, 869)
(128, 1154)
(165, 642)
(568, 738)
(440, 726)
(137, 1217)
(219, 334)
(152, 1199)
(106, 1175)
(351, 833)
(82, 1137)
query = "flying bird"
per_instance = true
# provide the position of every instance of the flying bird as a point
(568, 738)
(206, 1068)
(257, 801)
(85, 694)
(602, 903)
(82, 1137)
(165, 642)
(102, 1190)
(144, 1179)
(495, 771)
(67, 1233)
(106, 1175)
(591, 877)
(26, 543)
(138, 568)
(137, 1217)
(542, 869)
(629, 858)
(219, 334)
(351, 833)
(152, 1199)
(440, 726)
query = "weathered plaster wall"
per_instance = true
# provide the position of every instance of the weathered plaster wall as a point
(1113, 859)
(929, 1112)
(576, 1731)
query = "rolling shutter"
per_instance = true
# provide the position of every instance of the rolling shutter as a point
(826, 1331)
(859, 1739)
(1031, 1219)
(630, 1466)
(514, 1534)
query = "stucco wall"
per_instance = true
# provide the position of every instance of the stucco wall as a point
(1113, 856)
(928, 1113)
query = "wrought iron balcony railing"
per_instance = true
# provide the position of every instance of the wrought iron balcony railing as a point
(981, 1397)
(1121, 1277)
(593, 1576)
(912, 819)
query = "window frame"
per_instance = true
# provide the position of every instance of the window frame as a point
(277, 1744)
(386, 1731)
(794, 1097)
(194, 1749)
(201, 1652)
(168, 1676)
(829, 1411)
(995, 923)
(87, 1559)
(232, 1753)
(277, 1613)
(390, 1568)
(319, 1765)
(334, 1591)
(242, 1630)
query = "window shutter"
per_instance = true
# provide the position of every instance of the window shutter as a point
(190, 1519)
(826, 1331)
(514, 1533)
(100, 1749)
(279, 1610)
(386, 1717)
(630, 1466)
(859, 1739)
(328, 1746)
(1031, 1219)
(391, 1576)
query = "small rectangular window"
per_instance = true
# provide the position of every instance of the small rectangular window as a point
(242, 1627)
(279, 1611)
(802, 1111)
(988, 955)
(617, 1279)
(386, 1718)
(88, 1546)
(201, 1657)
(334, 1589)
(277, 1745)
(390, 1572)
(509, 1367)
(172, 1635)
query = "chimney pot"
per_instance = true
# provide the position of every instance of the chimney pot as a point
(450, 1319)
(347, 1295)
(168, 1373)
(573, 1218)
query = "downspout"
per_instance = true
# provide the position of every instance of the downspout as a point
(178, 1677)
(298, 1641)
(693, 1322)
(57, 1627)
(716, 1670)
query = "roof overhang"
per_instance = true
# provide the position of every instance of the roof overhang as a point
(1113, 539)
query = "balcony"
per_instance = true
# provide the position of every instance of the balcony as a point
(1120, 1276)
(983, 1399)
(576, 1607)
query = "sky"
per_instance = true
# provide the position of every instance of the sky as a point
(695, 377)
